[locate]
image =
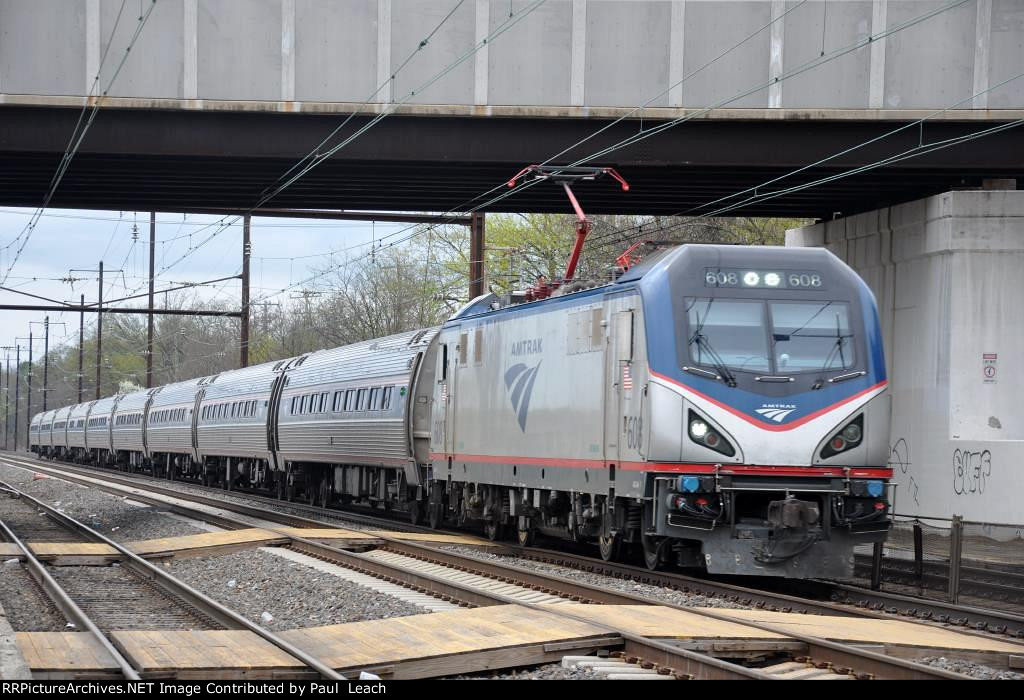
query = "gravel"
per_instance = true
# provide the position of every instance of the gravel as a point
(111, 515)
(27, 607)
(253, 583)
(547, 672)
(644, 590)
(969, 668)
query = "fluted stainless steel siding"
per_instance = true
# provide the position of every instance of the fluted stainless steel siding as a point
(76, 436)
(365, 437)
(174, 436)
(98, 437)
(45, 434)
(129, 437)
(33, 430)
(237, 436)
(60, 435)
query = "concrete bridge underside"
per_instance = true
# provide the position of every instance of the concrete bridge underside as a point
(218, 98)
(180, 160)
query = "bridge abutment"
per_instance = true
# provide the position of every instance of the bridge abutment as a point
(948, 274)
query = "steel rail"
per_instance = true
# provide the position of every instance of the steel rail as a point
(68, 607)
(840, 599)
(838, 654)
(192, 596)
(683, 661)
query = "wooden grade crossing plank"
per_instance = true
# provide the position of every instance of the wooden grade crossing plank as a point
(74, 553)
(9, 550)
(207, 542)
(66, 656)
(453, 642)
(872, 631)
(207, 654)
(657, 621)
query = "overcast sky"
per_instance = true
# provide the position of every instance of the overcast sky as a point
(284, 253)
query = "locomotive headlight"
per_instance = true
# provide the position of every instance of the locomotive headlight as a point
(751, 279)
(703, 434)
(848, 437)
(772, 279)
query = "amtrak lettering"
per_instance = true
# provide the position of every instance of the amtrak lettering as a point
(527, 347)
(776, 411)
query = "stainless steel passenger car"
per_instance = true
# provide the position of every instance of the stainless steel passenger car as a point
(98, 430)
(169, 427)
(347, 422)
(127, 436)
(77, 418)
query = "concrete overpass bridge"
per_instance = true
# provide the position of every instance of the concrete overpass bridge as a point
(218, 98)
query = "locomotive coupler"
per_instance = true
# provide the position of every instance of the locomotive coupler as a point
(793, 513)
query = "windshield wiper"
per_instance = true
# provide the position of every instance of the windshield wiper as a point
(836, 347)
(716, 360)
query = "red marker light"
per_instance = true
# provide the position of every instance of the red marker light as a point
(838, 443)
(701, 501)
(879, 505)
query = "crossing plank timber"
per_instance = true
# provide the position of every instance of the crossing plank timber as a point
(452, 642)
(201, 654)
(65, 656)
(207, 542)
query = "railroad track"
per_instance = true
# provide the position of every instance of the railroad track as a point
(976, 582)
(134, 595)
(473, 582)
(818, 597)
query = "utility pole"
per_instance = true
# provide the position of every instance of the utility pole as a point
(28, 406)
(46, 358)
(149, 330)
(476, 255)
(46, 355)
(7, 395)
(81, 347)
(17, 387)
(99, 337)
(246, 253)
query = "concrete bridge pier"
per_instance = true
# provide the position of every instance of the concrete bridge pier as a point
(948, 274)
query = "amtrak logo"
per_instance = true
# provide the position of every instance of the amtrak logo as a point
(519, 382)
(776, 411)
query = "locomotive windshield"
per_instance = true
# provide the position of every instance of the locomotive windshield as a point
(770, 337)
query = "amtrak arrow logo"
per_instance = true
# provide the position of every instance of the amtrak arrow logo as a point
(519, 382)
(776, 413)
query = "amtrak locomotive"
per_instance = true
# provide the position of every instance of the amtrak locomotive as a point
(721, 407)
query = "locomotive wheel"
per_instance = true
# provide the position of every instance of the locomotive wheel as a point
(494, 530)
(415, 512)
(435, 515)
(610, 546)
(526, 537)
(652, 551)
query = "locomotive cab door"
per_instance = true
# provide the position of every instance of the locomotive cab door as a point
(619, 381)
(450, 352)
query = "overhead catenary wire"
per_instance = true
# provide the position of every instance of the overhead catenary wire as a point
(502, 28)
(647, 133)
(757, 195)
